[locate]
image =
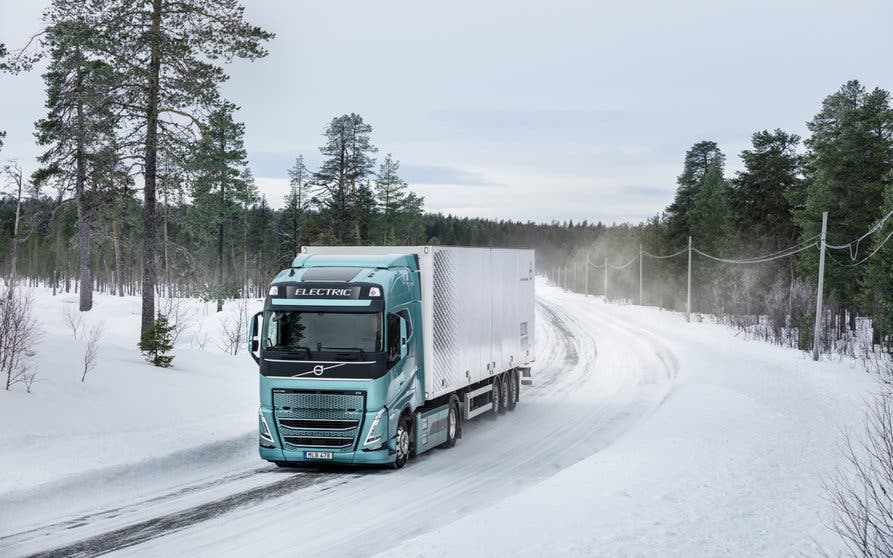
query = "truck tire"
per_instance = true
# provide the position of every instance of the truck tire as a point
(496, 397)
(403, 441)
(505, 389)
(512, 389)
(452, 426)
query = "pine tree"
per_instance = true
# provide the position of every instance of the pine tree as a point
(348, 163)
(81, 89)
(700, 160)
(760, 193)
(390, 192)
(157, 341)
(218, 190)
(249, 196)
(296, 203)
(169, 53)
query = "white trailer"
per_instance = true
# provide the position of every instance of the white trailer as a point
(477, 312)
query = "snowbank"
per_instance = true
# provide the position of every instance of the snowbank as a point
(731, 463)
(126, 412)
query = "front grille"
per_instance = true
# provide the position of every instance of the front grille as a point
(318, 424)
(311, 442)
(319, 420)
(322, 401)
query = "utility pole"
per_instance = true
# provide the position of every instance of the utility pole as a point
(575, 278)
(817, 334)
(640, 274)
(606, 278)
(688, 298)
(587, 274)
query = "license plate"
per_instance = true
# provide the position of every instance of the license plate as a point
(317, 455)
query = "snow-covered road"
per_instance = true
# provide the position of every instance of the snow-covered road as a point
(642, 434)
(594, 378)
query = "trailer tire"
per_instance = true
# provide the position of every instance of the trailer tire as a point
(512, 390)
(403, 441)
(505, 381)
(452, 425)
(496, 397)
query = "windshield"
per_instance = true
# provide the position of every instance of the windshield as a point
(292, 331)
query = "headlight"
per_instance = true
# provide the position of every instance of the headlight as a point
(374, 292)
(265, 433)
(378, 428)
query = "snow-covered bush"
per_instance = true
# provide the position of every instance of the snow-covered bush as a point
(19, 332)
(181, 314)
(91, 348)
(862, 496)
(234, 328)
(74, 320)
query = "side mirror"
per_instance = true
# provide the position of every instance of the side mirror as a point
(403, 332)
(254, 336)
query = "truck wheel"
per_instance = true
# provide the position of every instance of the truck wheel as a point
(452, 426)
(512, 390)
(496, 397)
(506, 382)
(404, 442)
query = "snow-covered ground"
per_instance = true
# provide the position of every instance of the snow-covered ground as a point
(643, 435)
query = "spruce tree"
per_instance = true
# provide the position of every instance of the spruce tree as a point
(157, 341)
(390, 192)
(847, 169)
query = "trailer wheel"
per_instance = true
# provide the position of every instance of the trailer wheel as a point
(496, 397)
(505, 389)
(512, 390)
(404, 442)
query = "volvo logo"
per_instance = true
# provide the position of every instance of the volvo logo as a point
(318, 369)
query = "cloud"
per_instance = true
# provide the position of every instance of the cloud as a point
(437, 174)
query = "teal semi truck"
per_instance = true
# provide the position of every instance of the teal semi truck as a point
(371, 355)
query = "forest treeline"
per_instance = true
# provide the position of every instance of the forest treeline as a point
(144, 187)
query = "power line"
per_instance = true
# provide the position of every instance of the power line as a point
(866, 258)
(656, 257)
(597, 266)
(627, 264)
(853, 245)
(787, 252)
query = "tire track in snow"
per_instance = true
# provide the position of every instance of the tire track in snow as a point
(149, 529)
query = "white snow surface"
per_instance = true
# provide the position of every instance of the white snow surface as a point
(642, 435)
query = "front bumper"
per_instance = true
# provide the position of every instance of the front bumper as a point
(381, 456)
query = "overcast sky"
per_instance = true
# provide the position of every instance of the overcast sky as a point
(527, 110)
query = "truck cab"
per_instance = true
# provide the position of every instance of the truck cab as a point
(340, 363)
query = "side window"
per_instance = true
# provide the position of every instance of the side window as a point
(405, 315)
(393, 337)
